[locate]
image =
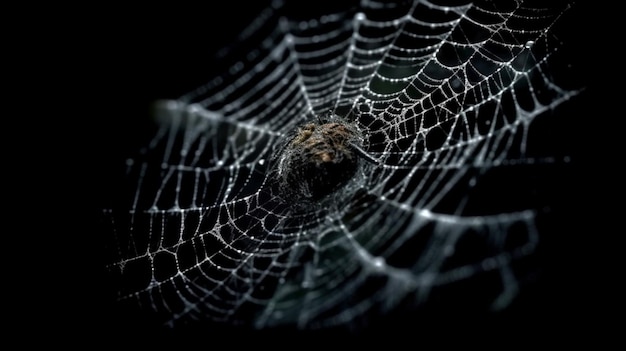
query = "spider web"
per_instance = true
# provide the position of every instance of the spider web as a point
(453, 99)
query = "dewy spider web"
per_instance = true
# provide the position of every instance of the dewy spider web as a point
(445, 95)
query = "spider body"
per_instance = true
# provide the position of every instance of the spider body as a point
(318, 160)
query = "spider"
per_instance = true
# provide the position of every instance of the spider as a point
(319, 159)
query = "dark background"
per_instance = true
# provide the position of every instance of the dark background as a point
(110, 63)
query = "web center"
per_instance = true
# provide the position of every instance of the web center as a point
(318, 160)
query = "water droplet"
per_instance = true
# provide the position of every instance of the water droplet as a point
(289, 39)
(378, 262)
(236, 67)
(529, 44)
(472, 182)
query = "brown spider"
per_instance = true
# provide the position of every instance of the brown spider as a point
(318, 160)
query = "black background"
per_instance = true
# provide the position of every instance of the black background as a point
(107, 64)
